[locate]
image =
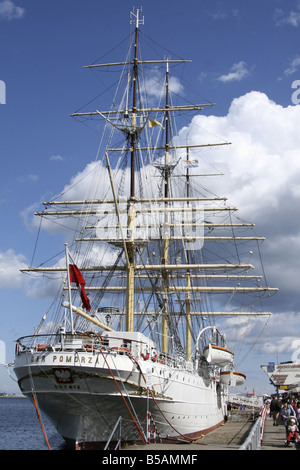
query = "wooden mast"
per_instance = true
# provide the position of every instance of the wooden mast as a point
(131, 208)
(188, 280)
(165, 274)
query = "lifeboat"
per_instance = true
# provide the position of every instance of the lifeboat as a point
(232, 378)
(217, 355)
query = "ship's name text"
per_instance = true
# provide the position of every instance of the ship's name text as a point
(61, 358)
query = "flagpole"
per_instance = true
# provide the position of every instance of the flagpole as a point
(69, 287)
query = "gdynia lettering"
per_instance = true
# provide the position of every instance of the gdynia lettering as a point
(2, 92)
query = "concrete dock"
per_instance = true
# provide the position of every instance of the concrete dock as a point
(274, 437)
(227, 437)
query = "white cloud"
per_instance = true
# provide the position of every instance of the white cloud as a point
(262, 176)
(155, 85)
(56, 158)
(223, 15)
(281, 337)
(291, 18)
(12, 278)
(293, 66)
(9, 11)
(237, 72)
(262, 179)
(262, 164)
(10, 265)
(29, 177)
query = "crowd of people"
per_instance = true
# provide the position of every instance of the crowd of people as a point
(287, 410)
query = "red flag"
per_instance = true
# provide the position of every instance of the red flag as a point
(76, 276)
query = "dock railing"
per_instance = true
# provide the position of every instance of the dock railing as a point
(255, 437)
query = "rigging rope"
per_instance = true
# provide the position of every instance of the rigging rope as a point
(36, 404)
(152, 396)
(40, 420)
(126, 404)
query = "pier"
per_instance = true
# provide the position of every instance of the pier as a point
(274, 437)
(231, 436)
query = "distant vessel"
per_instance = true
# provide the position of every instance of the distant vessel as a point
(134, 328)
(285, 375)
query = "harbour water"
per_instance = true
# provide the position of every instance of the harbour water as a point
(20, 428)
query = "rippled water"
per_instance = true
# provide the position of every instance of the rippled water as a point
(20, 428)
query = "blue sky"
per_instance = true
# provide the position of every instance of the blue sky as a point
(237, 48)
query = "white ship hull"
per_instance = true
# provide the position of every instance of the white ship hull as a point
(80, 392)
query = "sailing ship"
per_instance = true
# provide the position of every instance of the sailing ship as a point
(147, 277)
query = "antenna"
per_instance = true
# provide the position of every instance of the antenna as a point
(135, 14)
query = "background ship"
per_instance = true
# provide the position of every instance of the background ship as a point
(284, 376)
(152, 269)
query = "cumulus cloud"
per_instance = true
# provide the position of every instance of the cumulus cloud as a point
(262, 179)
(262, 174)
(262, 164)
(10, 11)
(11, 277)
(10, 265)
(238, 72)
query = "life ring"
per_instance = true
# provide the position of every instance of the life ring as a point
(153, 355)
(41, 347)
(145, 353)
(17, 348)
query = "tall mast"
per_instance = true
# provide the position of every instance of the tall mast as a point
(131, 209)
(188, 278)
(138, 21)
(167, 135)
(165, 275)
